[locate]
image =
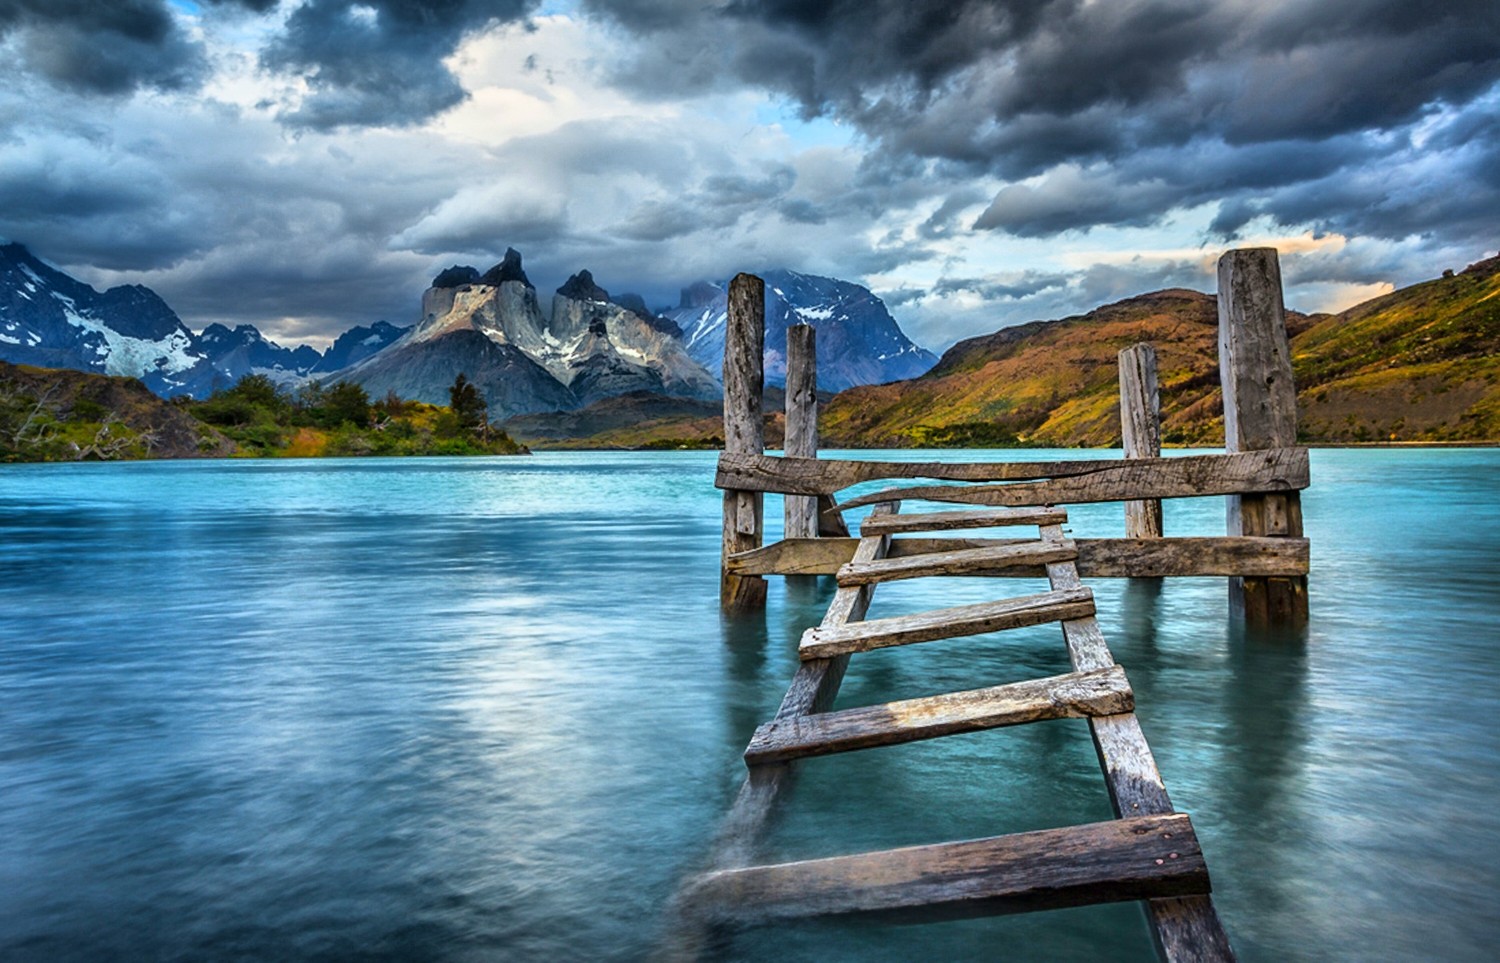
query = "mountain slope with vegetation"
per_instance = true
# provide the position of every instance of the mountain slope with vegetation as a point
(1418, 365)
(1421, 364)
(51, 414)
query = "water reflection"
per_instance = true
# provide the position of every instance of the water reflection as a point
(488, 710)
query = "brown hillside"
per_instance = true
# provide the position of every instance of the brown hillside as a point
(49, 414)
(1049, 383)
(1420, 364)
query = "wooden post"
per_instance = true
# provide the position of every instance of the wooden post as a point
(1260, 411)
(1140, 429)
(801, 422)
(744, 433)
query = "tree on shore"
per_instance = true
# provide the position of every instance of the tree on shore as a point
(469, 406)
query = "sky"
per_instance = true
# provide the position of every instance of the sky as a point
(309, 165)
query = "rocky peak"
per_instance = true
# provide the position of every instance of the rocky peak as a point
(597, 326)
(581, 287)
(699, 294)
(509, 269)
(456, 276)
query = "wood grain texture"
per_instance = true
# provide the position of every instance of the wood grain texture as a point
(967, 561)
(813, 689)
(1123, 859)
(948, 623)
(1278, 469)
(949, 521)
(824, 476)
(1260, 412)
(1097, 557)
(801, 511)
(1074, 695)
(831, 521)
(744, 433)
(1087, 648)
(1140, 431)
(1183, 928)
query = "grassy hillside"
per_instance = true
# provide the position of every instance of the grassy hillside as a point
(59, 415)
(1048, 383)
(62, 415)
(1418, 365)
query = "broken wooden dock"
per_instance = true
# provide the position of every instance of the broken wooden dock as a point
(1149, 852)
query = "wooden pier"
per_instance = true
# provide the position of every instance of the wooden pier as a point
(1149, 852)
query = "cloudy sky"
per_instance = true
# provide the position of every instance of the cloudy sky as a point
(307, 165)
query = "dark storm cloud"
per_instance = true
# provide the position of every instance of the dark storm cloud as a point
(379, 62)
(1162, 103)
(102, 46)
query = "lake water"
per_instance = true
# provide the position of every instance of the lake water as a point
(488, 710)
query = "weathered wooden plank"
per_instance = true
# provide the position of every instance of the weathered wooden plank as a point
(1074, 695)
(816, 682)
(831, 521)
(1121, 859)
(949, 521)
(968, 561)
(824, 476)
(959, 620)
(1278, 469)
(1260, 412)
(801, 511)
(1085, 641)
(1097, 557)
(744, 433)
(1185, 929)
(1140, 430)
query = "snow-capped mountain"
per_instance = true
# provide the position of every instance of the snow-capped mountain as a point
(859, 343)
(244, 350)
(480, 325)
(52, 320)
(490, 326)
(355, 345)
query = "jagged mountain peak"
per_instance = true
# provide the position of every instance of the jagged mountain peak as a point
(509, 269)
(581, 287)
(456, 276)
(858, 340)
(699, 294)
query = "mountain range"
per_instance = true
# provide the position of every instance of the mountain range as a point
(1421, 364)
(859, 343)
(586, 346)
(52, 320)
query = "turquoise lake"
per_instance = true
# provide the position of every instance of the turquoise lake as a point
(487, 709)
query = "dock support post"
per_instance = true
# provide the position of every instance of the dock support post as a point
(1260, 411)
(801, 422)
(744, 433)
(1140, 430)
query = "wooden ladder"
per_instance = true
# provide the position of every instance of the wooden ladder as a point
(1148, 853)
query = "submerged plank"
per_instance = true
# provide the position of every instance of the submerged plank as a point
(1272, 470)
(812, 689)
(1186, 929)
(1097, 557)
(968, 561)
(1073, 695)
(960, 620)
(1121, 859)
(947, 521)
